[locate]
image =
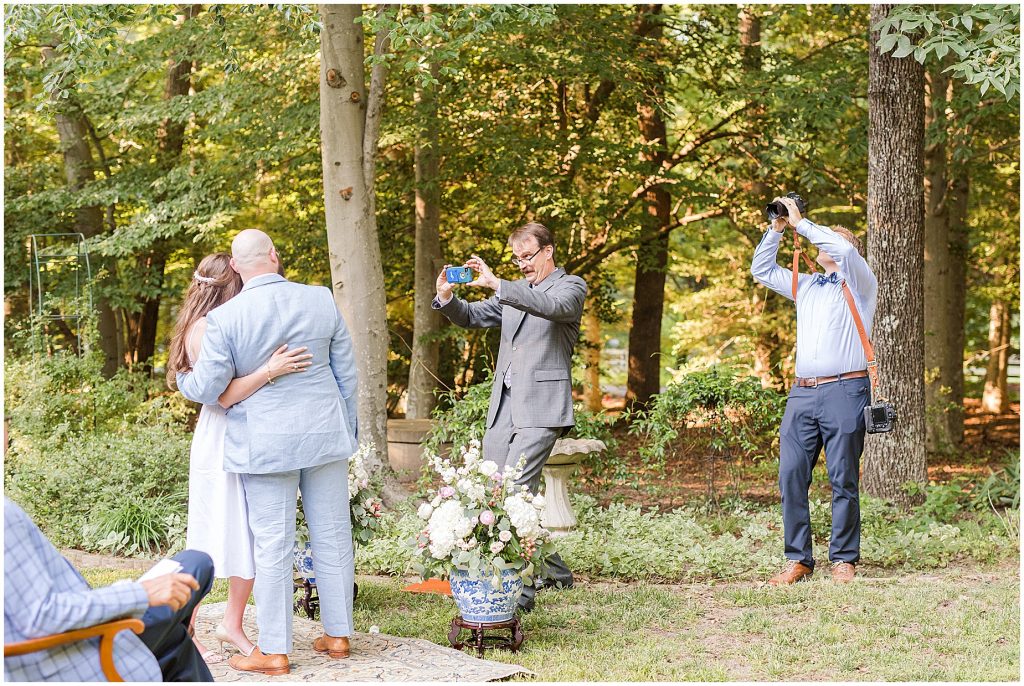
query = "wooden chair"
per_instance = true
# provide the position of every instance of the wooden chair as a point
(106, 632)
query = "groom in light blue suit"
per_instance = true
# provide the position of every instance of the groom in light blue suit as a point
(296, 432)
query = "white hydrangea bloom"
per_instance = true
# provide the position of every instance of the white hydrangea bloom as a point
(426, 509)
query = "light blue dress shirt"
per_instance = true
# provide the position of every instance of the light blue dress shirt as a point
(44, 594)
(827, 342)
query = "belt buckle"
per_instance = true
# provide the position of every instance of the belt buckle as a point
(815, 380)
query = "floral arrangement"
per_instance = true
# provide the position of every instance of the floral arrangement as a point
(363, 497)
(480, 521)
(365, 504)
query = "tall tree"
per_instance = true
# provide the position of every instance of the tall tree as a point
(73, 131)
(896, 255)
(349, 126)
(644, 375)
(170, 137)
(996, 397)
(937, 266)
(423, 365)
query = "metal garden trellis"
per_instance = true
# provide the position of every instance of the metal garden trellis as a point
(56, 258)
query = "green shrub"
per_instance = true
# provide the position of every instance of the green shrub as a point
(458, 420)
(136, 525)
(711, 411)
(63, 488)
(93, 460)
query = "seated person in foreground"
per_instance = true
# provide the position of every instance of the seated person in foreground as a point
(44, 594)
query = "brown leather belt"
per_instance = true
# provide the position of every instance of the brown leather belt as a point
(815, 381)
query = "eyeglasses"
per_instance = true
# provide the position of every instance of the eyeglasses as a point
(525, 260)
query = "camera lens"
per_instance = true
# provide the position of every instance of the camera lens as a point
(774, 210)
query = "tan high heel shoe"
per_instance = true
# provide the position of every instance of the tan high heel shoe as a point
(221, 634)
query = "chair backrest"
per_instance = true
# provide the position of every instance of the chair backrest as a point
(106, 632)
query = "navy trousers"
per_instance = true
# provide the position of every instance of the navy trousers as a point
(166, 632)
(829, 416)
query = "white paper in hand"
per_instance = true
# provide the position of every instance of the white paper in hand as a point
(162, 567)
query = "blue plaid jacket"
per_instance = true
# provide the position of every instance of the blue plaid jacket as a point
(44, 594)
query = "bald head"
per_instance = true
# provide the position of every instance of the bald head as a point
(252, 254)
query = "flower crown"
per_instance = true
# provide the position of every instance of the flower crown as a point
(203, 279)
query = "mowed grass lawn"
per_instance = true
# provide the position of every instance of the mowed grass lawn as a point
(959, 624)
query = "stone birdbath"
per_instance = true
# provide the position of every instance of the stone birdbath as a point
(566, 456)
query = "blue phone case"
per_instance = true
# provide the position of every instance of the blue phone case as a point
(458, 274)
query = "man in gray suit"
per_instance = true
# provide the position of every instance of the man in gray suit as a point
(296, 432)
(531, 402)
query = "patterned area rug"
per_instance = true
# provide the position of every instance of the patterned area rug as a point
(375, 657)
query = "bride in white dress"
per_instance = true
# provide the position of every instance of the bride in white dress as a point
(218, 522)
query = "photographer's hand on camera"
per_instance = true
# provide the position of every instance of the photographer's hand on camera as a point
(444, 289)
(485, 277)
(794, 211)
(779, 225)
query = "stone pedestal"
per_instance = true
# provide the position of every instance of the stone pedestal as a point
(566, 456)
(405, 451)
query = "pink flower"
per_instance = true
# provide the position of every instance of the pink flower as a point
(487, 518)
(446, 491)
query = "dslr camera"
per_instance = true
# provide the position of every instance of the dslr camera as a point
(458, 274)
(774, 210)
(879, 417)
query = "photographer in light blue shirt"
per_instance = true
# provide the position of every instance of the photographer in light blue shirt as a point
(826, 403)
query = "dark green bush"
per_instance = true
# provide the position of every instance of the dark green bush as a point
(84, 449)
(712, 411)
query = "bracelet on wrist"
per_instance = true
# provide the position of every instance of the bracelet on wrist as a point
(269, 379)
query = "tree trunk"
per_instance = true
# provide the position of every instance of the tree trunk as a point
(428, 262)
(80, 169)
(349, 125)
(896, 252)
(957, 291)
(996, 397)
(764, 307)
(592, 396)
(750, 38)
(936, 267)
(170, 138)
(644, 378)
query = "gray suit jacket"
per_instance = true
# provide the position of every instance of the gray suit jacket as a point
(301, 420)
(539, 328)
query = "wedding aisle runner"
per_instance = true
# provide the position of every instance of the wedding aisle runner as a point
(375, 657)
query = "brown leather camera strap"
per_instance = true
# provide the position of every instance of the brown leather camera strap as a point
(869, 350)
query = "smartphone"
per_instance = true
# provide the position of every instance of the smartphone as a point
(458, 274)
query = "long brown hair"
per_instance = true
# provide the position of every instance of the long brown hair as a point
(213, 284)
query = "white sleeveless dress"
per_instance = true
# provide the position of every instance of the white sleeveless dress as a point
(218, 520)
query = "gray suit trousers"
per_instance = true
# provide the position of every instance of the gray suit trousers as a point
(505, 444)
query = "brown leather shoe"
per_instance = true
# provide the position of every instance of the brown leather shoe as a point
(794, 571)
(271, 665)
(335, 646)
(843, 572)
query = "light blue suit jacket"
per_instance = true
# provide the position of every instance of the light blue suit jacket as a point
(301, 420)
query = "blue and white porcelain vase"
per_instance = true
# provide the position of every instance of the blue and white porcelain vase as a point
(479, 601)
(304, 561)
